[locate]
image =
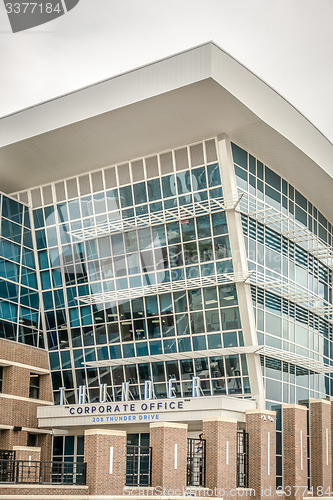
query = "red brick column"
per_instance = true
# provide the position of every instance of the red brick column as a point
(105, 455)
(261, 426)
(221, 452)
(295, 446)
(169, 455)
(320, 445)
(27, 453)
(28, 469)
(332, 438)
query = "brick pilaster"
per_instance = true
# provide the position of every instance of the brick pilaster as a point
(169, 454)
(294, 439)
(320, 445)
(28, 470)
(221, 452)
(105, 455)
(261, 427)
(27, 453)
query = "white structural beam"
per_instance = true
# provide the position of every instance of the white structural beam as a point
(116, 224)
(283, 224)
(171, 286)
(207, 353)
(285, 288)
(240, 266)
(296, 359)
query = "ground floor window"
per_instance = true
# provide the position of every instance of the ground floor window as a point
(68, 448)
(138, 460)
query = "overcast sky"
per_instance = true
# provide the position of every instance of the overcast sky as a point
(288, 43)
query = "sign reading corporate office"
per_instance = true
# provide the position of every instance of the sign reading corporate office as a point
(24, 15)
(127, 410)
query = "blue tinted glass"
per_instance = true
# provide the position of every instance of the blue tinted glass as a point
(38, 218)
(28, 277)
(62, 212)
(46, 280)
(184, 344)
(9, 270)
(170, 345)
(86, 316)
(155, 347)
(169, 186)
(8, 311)
(10, 250)
(43, 260)
(11, 231)
(184, 182)
(26, 217)
(102, 353)
(214, 341)
(74, 209)
(49, 215)
(9, 291)
(140, 195)
(220, 225)
(199, 178)
(99, 203)
(128, 350)
(54, 361)
(125, 194)
(59, 298)
(56, 278)
(117, 244)
(27, 239)
(240, 156)
(272, 179)
(112, 200)
(52, 236)
(203, 226)
(29, 298)
(154, 189)
(142, 349)
(159, 238)
(12, 209)
(48, 300)
(199, 342)
(214, 176)
(40, 239)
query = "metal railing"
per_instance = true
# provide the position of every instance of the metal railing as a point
(242, 459)
(138, 465)
(196, 462)
(35, 472)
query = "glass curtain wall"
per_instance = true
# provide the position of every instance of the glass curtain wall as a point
(153, 225)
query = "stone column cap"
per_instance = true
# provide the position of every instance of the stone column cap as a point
(174, 425)
(26, 448)
(297, 407)
(220, 419)
(104, 432)
(261, 412)
(313, 400)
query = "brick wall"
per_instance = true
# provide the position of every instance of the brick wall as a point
(100, 479)
(221, 452)
(16, 408)
(169, 471)
(294, 438)
(29, 490)
(262, 452)
(25, 354)
(320, 444)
